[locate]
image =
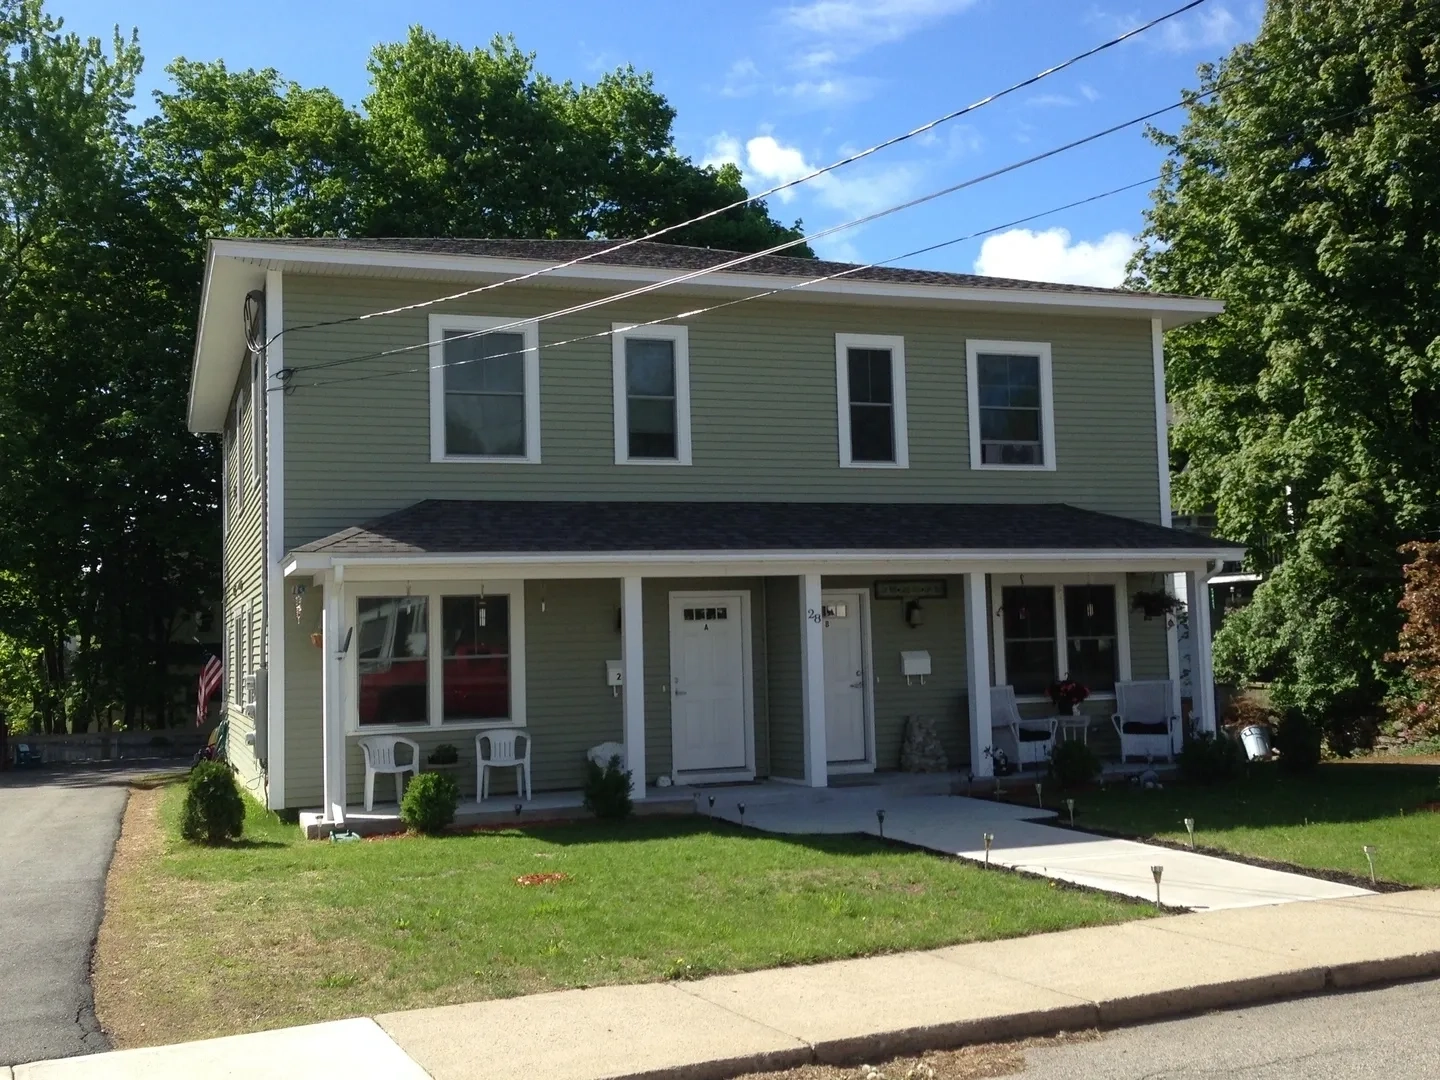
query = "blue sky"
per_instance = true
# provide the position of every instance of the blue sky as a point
(779, 87)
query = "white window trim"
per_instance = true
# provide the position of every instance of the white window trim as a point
(680, 336)
(433, 591)
(1058, 583)
(1038, 349)
(896, 345)
(530, 333)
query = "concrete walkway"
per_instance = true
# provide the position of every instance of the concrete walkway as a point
(918, 812)
(845, 1012)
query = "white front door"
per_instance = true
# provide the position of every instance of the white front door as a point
(709, 686)
(846, 739)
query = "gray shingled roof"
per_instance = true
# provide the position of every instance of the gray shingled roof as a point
(678, 257)
(454, 527)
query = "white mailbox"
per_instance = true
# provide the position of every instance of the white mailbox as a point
(614, 676)
(914, 663)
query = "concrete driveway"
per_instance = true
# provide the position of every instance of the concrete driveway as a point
(57, 835)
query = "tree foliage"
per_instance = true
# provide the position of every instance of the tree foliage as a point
(1415, 704)
(1304, 193)
(109, 518)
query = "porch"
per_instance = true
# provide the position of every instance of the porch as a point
(782, 658)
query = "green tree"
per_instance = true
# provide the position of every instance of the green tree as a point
(1306, 194)
(106, 503)
(450, 142)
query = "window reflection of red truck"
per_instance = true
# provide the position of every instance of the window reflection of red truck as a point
(393, 668)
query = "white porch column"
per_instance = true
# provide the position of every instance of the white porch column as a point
(1172, 646)
(812, 681)
(1202, 670)
(632, 662)
(332, 712)
(977, 671)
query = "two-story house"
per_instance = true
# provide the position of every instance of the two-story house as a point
(743, 525)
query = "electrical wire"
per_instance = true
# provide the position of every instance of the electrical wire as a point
(696, 312)
(742, 259)
(785, 186)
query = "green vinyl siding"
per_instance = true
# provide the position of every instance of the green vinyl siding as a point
(763, 406)
(782, 624)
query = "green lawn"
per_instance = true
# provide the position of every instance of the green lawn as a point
(282, 930)
(1321, 821)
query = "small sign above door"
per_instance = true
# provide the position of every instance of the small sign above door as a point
(912, 589)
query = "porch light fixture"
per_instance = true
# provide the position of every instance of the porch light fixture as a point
(1190, 828)
(914, 614)
(1157, 871)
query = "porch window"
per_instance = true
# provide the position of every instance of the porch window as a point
(1028, 619)
(870, 380)
(651, 394)
(475, 661)
(392, 659)
(1090, 635)
(484, 389)
(1011, 405)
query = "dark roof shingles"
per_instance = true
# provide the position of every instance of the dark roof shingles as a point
(452, 527)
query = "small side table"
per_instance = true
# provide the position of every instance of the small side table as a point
(1074, 727)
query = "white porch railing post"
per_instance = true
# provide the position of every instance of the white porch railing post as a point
(812, 681)
(1202, 673)
(977, 671)
(632, 662)
(333, 721)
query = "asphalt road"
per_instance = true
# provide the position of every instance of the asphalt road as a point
(57, 835)
(1390, 1033)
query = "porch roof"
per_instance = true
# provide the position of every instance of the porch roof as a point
(454, 527)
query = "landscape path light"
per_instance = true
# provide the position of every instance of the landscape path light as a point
(1370, 858)
(1157, 871)
(1190, 828)
(1070, 805)
(880, 817)
(989, 839)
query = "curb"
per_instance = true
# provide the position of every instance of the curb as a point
(1105, 1015)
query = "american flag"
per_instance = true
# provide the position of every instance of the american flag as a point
(211, 675)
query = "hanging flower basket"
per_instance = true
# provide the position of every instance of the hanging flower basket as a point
(1154, 604)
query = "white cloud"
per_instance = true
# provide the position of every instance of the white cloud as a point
(742, 80)
(828, 92)
(854, 190)
(1088, 92)
(1051, 256)
(850, 27)
(1211, 29)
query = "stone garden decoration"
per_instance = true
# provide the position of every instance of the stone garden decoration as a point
(921, 751)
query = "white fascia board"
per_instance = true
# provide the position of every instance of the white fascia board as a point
(772, 563)
(1175, 311)
(219, 337)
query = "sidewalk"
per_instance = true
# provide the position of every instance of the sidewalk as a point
(849, 1011)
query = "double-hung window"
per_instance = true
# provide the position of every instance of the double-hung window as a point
(1050, 628)
(452, 655)
(652, 394)
(1012, 422)
(870, 386)
(484, 389)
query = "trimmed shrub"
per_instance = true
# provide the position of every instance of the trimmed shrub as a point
(1211, 759)
(1298, 742)
(607, 790)
(213, 812)
(429, 803)
(1072, 764)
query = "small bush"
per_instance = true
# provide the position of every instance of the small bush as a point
(213, 812)
(1298, 742)
(429, 803)
(444, 754)
(1072, 764)
(1211, 759)
(607, 790)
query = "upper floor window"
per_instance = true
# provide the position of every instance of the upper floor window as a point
(484, 389)
(870, 385)
(652, 394)
(1012, 423)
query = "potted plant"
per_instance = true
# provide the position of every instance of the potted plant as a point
(1067, 694)
(1155, 604)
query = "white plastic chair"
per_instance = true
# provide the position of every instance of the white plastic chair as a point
(380, 758)
(1005, 719)
(503, 754)
(1141, 710)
